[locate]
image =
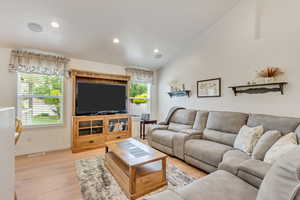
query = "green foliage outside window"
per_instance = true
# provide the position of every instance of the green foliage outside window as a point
(139, 91)
(52, 86)
(44, 88)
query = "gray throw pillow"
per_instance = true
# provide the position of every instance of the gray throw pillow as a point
(264, 144)
(282, 180)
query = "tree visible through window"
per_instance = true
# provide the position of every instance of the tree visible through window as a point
(139, 96)
(40, 99)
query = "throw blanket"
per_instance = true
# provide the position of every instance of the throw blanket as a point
(170, 114)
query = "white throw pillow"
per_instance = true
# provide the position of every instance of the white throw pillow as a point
(283, 145)
(247, 138)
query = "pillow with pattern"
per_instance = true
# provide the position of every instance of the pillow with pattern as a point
(247, 138)
(283, 145)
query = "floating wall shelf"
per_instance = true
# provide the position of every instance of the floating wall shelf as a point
(259, 88)
(180, 93)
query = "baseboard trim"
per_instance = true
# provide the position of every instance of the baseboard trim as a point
(38, 154)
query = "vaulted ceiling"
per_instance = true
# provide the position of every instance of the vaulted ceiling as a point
(87, 27)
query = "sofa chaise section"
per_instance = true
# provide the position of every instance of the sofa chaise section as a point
(281, 183)
(220, 185)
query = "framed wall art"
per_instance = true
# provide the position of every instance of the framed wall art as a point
(209, 88)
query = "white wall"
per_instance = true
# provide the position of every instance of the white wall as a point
(48, 138)
(7, 153)
(53, 138)
(228, 50)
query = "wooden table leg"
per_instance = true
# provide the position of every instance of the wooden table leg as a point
(132, 180)
(164, 168)
(144, 131)
(141, 130)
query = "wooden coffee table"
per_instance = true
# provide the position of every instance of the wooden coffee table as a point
(138, 168)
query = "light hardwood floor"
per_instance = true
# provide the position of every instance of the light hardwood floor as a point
(53, 176)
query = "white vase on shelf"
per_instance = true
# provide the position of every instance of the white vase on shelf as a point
(269, 80)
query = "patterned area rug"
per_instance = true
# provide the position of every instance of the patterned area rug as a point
(97, 183)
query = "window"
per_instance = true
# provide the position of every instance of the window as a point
(40, 99)
(139, 98)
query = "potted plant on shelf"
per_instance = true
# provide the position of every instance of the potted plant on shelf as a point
(270, 74)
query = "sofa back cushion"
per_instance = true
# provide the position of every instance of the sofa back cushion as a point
(264, 144)
(170, 114)
(178, 127)
(283, 124)
(283, 179)
(200, 120)
(230, 122)
(184, 116)
(219, 137)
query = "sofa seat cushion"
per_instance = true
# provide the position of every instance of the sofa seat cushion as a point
(219, 136)
(216, 186)
(232, 160)
(206, 151)
(162, 148)
(253, 171)
(199, 164)
(164, 137)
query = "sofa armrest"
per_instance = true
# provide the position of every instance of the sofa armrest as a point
(253, 171)
(255, 167)
(163, 123)
(159, 126)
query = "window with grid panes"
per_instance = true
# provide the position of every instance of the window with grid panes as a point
(40, 99)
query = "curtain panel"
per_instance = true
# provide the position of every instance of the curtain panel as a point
(140, 75)
(30, 62)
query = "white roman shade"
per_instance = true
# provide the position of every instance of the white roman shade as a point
(37, 63)
(139, 75)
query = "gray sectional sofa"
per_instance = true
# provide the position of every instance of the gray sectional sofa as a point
(205, 140)
(281, 183)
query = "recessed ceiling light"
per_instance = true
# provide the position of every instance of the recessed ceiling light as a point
(116, 40)
(156, 50)
(55, 24)
(35, 27)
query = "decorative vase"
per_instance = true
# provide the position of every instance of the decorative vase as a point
(269, 80)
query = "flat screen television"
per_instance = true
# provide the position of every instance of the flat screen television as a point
(100, 98)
